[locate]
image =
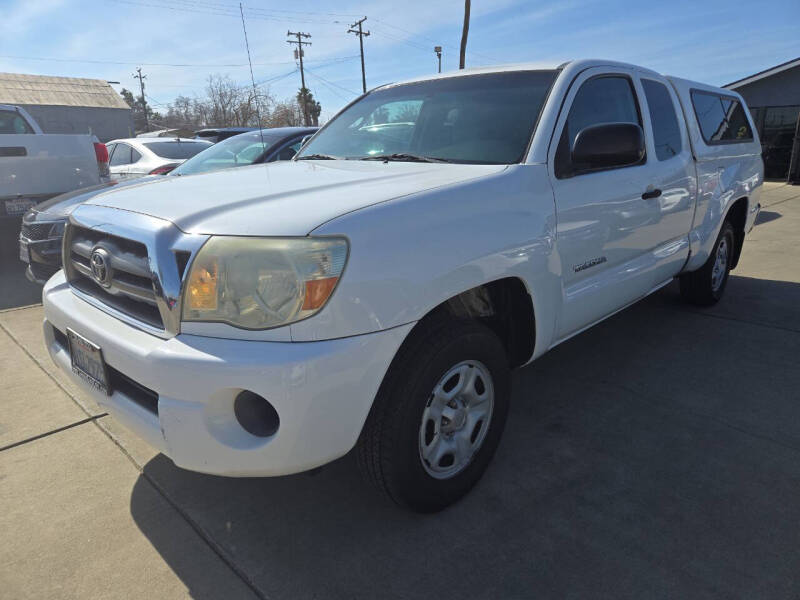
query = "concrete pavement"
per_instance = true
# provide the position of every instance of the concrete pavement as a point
(15, 289)
(655, 455)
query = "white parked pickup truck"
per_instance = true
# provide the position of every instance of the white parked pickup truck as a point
(36, 166)
(375, 292)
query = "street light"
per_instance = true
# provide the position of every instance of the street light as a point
(438, 50)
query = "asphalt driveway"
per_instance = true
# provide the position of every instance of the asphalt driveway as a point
(657, 455)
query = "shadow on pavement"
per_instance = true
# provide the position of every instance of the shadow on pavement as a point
(655, 455)
(765, 216)
(15, 289)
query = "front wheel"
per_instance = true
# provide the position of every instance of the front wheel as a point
(705, 286)
(438, 416)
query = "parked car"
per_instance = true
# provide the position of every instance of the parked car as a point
(36, 166)
(376, 291)
(217, 134)
(43, 226)
(137, 157)
(267, 145)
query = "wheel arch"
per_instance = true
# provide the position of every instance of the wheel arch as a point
(504, 305)
(737, 217)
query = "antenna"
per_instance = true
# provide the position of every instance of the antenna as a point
(253, 80)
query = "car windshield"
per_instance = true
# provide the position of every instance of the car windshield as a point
(176, 150)
(237, 151)
(487, 118)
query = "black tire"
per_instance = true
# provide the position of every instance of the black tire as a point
(388, 451)
(697, 287)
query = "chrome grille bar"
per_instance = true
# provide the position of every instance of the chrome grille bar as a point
(129, 265)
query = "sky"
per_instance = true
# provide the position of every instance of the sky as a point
(179, 43)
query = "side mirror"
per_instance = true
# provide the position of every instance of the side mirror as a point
(607, 145)
(305, 139)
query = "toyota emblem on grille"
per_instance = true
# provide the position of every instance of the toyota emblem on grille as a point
(101, 269)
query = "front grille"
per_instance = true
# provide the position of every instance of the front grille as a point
(130, 265)
(36, 231)
(42, 271)
(127, 286)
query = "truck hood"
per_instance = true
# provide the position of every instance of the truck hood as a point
(282, 198)
(62, 205)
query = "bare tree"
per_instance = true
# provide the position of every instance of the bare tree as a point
(230, 105)
(225, 98)
(288, 113)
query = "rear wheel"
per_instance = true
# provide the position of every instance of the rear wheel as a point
(705, 286)
(438, 416)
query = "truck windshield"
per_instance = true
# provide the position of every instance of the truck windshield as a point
(486, 118)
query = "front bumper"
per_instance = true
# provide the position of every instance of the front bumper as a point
(322, 391)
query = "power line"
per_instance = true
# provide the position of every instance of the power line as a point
(328, 86)
(430, 39)
(156, 102)
(406, 41)
(332, 83)
(144, 64)
(230, 5)
(335, 92)
(224, 11)
(176, 65)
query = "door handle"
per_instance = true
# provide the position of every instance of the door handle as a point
(651, 194)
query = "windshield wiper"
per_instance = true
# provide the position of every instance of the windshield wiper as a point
(318, 157)
(404, 157)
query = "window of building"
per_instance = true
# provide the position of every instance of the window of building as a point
(777, 138)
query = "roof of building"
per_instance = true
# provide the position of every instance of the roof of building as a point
(18, 88)
(789, 64)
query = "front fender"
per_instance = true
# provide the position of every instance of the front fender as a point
(411, 254)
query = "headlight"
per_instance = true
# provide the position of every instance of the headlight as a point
(258, 283)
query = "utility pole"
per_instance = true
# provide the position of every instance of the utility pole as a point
(438, 50)
(464, 34)
(299, 54)
(361, 34)
(138, 75)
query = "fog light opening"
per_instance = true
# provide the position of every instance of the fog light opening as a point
(255, 414)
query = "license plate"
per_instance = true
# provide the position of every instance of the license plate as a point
(18, 206)
(87, 361)
(24, 253)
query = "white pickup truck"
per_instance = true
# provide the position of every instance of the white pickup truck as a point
(376, 291)
(36, 166)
